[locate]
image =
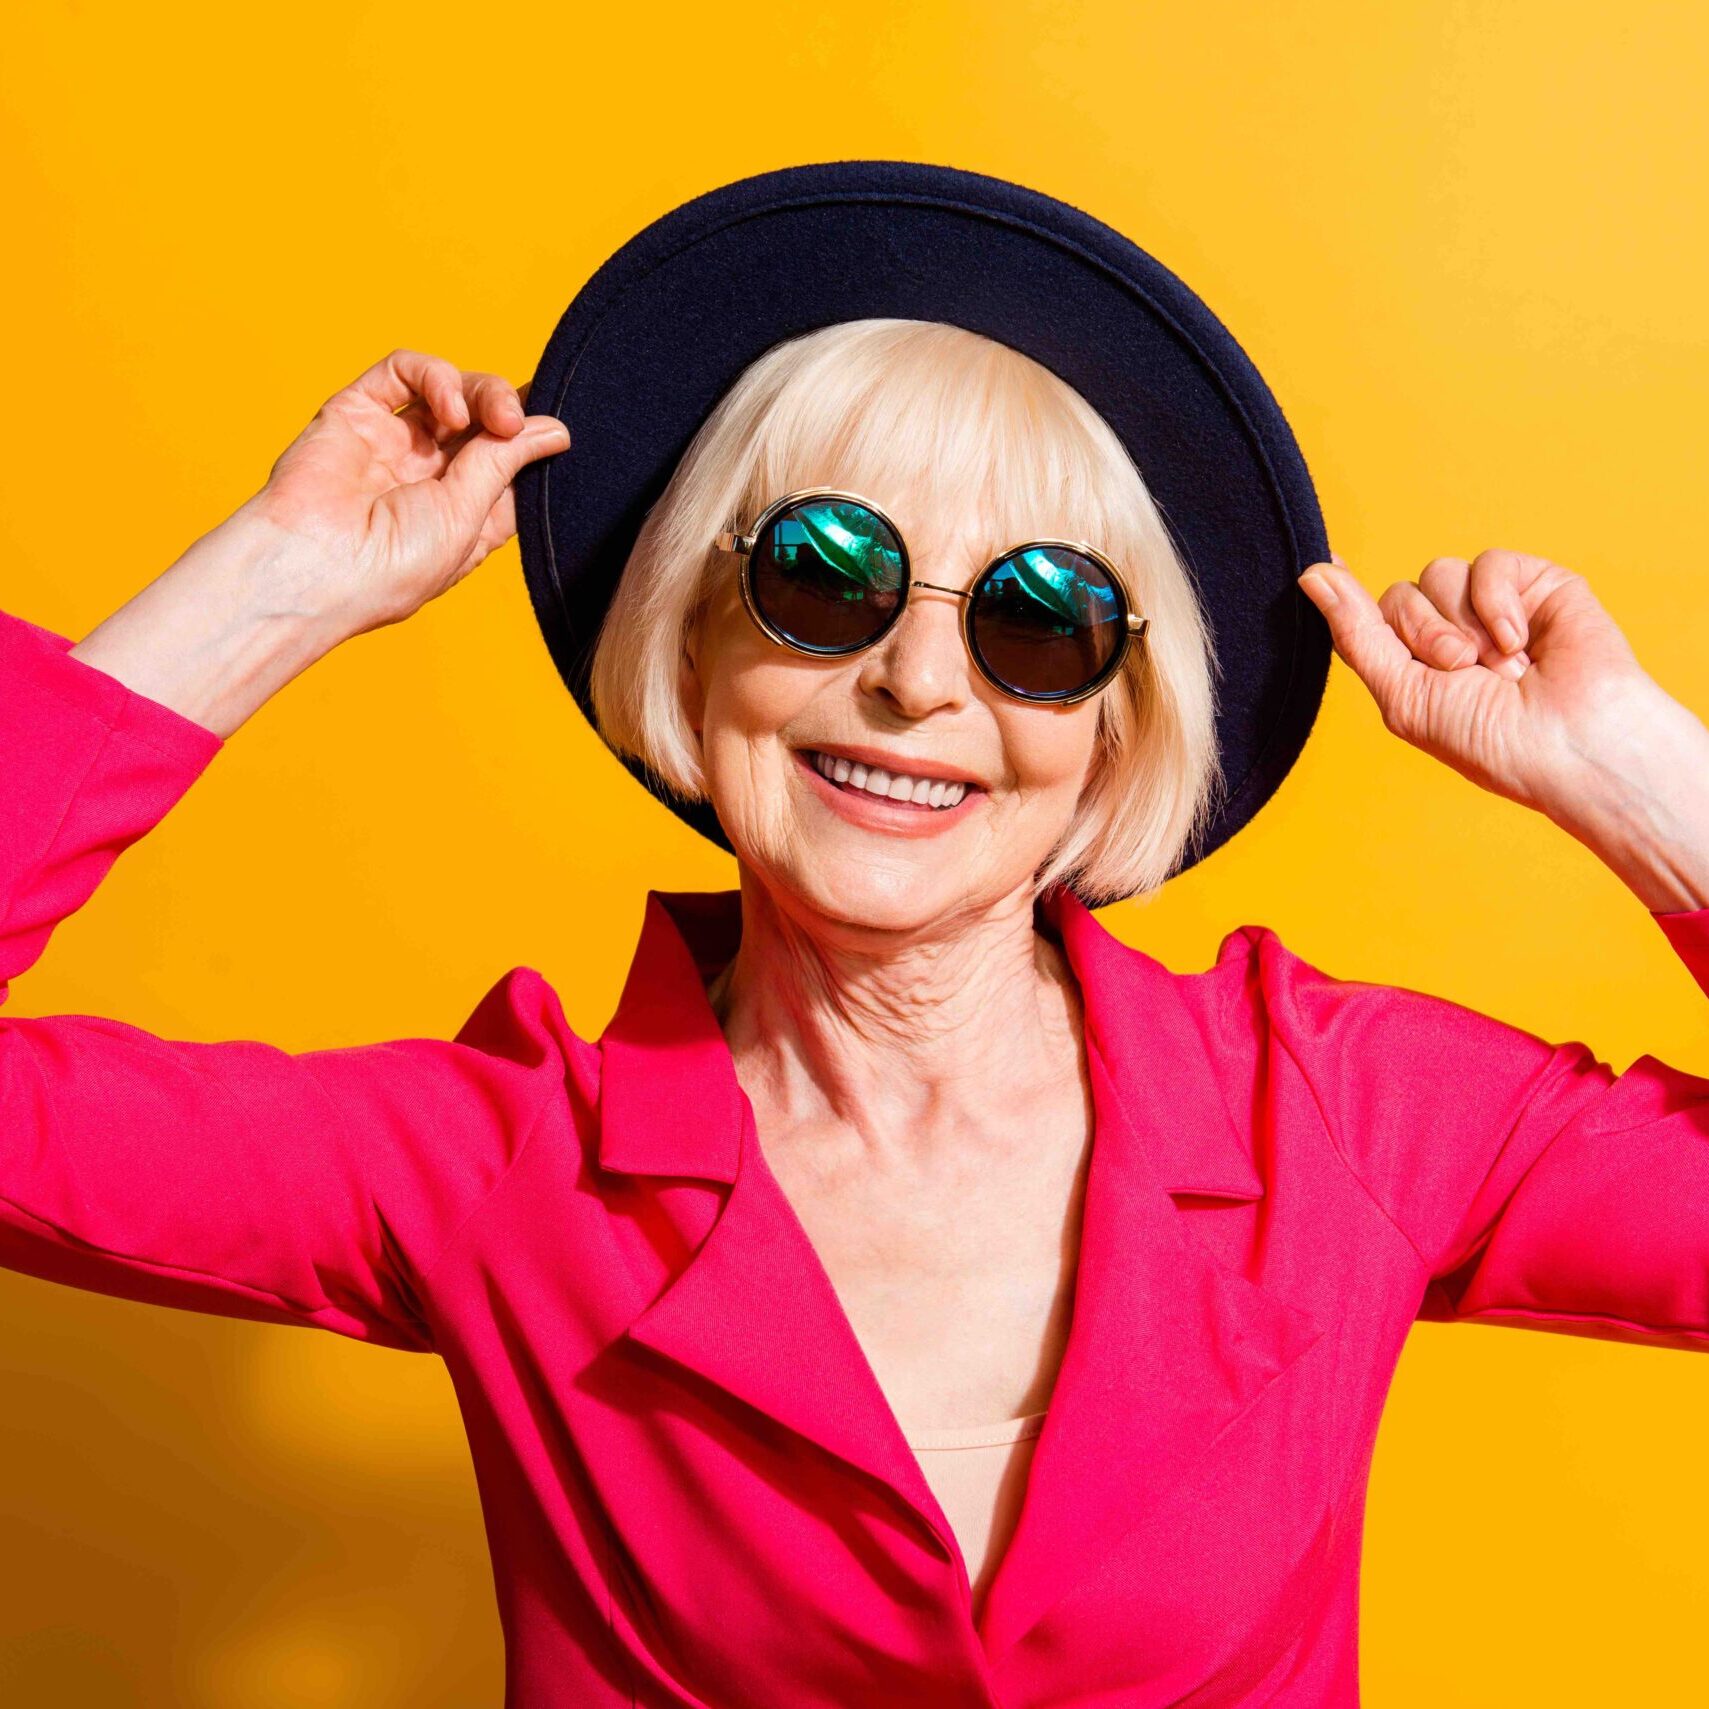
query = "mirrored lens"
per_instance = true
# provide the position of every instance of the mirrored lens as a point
(828, 574)
(1048, 622)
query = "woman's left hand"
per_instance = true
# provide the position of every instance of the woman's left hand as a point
(1505, 667)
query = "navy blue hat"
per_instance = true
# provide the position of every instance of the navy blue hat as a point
(669, 323)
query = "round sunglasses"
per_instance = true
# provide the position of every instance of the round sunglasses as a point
(826, 573)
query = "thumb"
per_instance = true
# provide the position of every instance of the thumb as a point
(477, 476)
(1363, 637)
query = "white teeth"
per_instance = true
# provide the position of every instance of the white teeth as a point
(893, 786)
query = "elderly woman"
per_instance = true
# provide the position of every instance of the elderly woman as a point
(916, 1296)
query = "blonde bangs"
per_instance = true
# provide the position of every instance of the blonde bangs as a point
(900, 410)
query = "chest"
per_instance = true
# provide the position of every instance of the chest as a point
(954, 1262)
(667, 1377)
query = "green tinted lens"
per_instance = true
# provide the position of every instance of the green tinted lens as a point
(828, 574)
(1048, 622)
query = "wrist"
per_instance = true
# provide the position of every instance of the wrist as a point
(1640, 803)
(220, 631)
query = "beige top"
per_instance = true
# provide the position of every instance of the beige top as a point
(979, 1474)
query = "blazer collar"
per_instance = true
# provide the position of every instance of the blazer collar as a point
(664, 1051)
(1168, 1347)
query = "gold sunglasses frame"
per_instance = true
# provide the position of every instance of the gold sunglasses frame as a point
(1134, 626)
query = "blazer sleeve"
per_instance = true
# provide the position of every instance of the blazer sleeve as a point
(1538, 1186)
(229, 1177)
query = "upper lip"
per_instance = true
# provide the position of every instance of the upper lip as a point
(904, 765)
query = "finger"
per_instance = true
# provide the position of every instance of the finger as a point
(430, 430)
(1430, 637)
(1498, 584)
(501, 521)
(1446, 583)
(484, 467)
(498, 526)
(1363, 638)
(493, 402)
(405, 375)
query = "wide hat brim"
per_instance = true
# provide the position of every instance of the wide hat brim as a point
(666, 326)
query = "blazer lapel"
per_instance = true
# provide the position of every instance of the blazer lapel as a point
(753, 1310)
(1166, 1347)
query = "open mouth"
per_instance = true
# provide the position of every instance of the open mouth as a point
(928, 794)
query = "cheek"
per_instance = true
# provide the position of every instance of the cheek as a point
(740, 687)
(753, 700)
(752, 693)
(1051, 752)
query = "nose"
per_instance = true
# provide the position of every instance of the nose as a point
(922, 665)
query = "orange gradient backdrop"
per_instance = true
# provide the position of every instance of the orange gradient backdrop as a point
(1465, 245)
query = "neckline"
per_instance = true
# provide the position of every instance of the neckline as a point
(999, 1434)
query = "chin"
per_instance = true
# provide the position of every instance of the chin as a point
(881, 890)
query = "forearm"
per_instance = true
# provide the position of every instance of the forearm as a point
(1642, 807)
(217, 634)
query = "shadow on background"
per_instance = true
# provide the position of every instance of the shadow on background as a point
(246, 1515)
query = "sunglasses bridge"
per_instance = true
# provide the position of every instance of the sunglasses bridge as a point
(742, 544)
(730, 541)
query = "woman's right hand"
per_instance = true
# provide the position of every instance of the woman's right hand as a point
(392, 494)
(396, 490)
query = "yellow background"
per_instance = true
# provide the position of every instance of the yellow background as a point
(1465, 245)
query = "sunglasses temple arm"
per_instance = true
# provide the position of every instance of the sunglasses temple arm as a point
(730, 541)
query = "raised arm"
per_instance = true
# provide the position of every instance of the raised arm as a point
(1538, 1186)
(235, 1177)
(1507, 668)
(399, 487)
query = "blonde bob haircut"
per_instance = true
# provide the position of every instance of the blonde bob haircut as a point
(901, 408)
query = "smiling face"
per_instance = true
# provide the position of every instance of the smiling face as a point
(796, 750)
(970, 448)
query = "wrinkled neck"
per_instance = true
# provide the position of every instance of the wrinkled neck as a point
(898, 1036)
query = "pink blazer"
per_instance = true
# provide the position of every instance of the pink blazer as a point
(694, 1489)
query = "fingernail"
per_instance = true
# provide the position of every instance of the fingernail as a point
(1507, 633)
(1320, 587)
